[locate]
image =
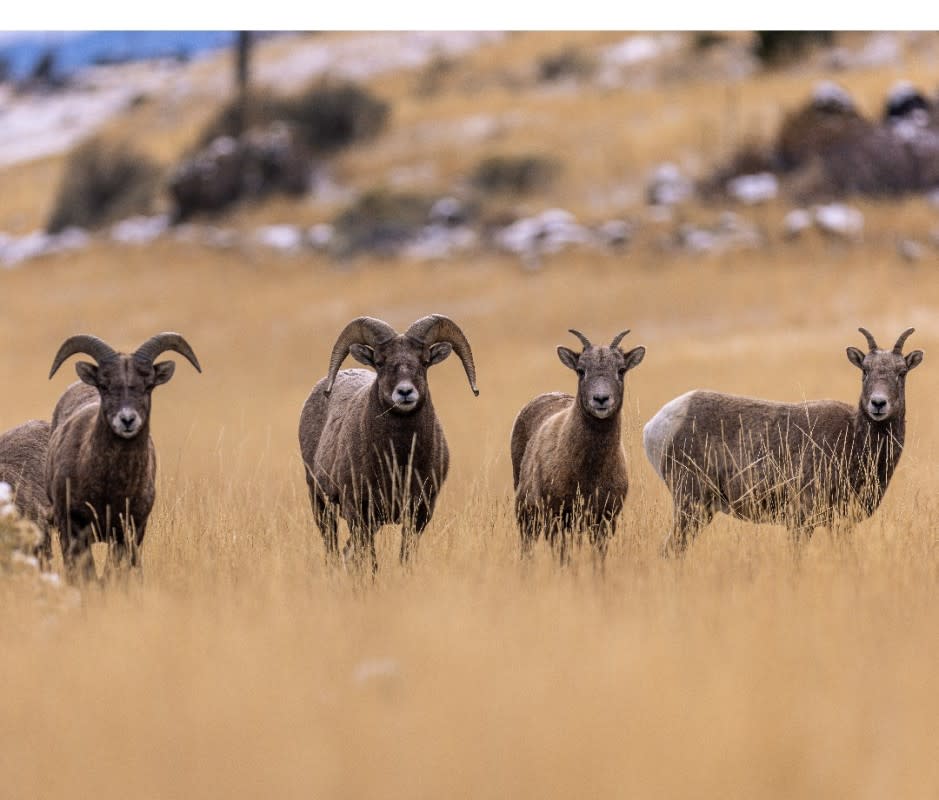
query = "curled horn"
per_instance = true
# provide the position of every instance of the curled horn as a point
(362, 330)
(898, 347)
(162, 342)
(618, 338)
(583, 339)
(99, 350)
(871, 343)
(438, 328)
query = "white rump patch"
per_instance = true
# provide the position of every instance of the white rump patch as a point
(658, 431)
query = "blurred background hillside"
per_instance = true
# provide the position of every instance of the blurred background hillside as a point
(428, 145)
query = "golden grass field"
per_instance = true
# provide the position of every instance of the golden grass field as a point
(235, 665)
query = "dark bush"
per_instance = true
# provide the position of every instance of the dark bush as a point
(103, 182)
(326, 116)
(514, 174)
(567, 63)
(380, 221)
(776, 47)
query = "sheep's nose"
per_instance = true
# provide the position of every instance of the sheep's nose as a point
(405, 392)
(878, 403)
(128, 418)
(601, 399)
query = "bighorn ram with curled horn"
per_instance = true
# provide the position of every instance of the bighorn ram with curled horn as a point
(101, 464)
(798, 464)
(372, 447)
(568, 462)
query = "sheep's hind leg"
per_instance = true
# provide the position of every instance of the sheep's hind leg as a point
(327, 520)
(529, 529)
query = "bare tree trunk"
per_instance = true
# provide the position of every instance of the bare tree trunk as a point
(242, 75)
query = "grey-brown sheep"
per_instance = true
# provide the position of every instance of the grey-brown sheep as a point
(798, 464)
(372, 446)
(101, 463)
(568, 463)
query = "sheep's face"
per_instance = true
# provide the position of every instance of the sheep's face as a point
(600, 375)
(401, 364)
(124, 385)
(883, 387)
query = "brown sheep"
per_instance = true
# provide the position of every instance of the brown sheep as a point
(568, 463)
(799, 464)
(22, 465)
(373, 449)
(101, 464)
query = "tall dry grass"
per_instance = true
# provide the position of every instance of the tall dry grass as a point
(234, 664)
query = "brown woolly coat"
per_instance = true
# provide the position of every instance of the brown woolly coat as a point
(357, 454)
(22, 465)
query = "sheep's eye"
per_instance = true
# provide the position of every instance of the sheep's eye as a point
(378, 364)
(581, 372)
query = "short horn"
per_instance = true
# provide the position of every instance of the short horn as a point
(362, 330)
(871, 343)
(98, 349)
(898, 347)
(438, 328)
(162, 342)
(583, 339)
(618, 338)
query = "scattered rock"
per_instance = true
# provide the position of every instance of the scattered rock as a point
(910, 250)
(668, 186)
(796, 222)
(285, 238)
(140, 230)
(615, 233)
(754, 189)
(320, 236)
(839, 221)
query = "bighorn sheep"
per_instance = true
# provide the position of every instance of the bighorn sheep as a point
(101, 465)
(372, 447)
(799, 464)
(568, 463)
(22, 465)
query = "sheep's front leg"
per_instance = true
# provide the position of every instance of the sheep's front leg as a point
(411, 530)
(325, 514)
(361, 545)
(76, 550)
(690, 517)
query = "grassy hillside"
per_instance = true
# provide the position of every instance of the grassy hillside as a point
(235, 665)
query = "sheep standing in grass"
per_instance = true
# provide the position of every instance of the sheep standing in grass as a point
(568, 462)
(799, 464)
(22, 465)
(101, 464)
(373, 449)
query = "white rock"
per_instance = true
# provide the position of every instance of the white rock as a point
(796, 222)
(668, 186)
(320, 236)
(829, 96)
(140, 229)
(910, 250)
(615, 233)
(279, 237)
(447, 211)
(839, 220)
(23, 248)
(376, 669)
(754, 189)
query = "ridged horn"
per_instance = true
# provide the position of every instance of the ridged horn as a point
(618, 338)
(583, 339)
(898, 347)
(162, 342)
(438, 328)
(362, 330)
(871, 343)
(98, 349)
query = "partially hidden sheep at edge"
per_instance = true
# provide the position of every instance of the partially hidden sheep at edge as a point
(803, 465)
(568, 462)
(373, 448)
(101, 464)
(22, 466)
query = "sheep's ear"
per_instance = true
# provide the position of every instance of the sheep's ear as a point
(363, 354)
(856, 357)
(914, 359)
(88, 373)
(634, 357)
(163, 371)
(438, 352)
(568, 357)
